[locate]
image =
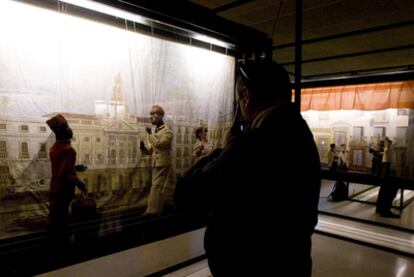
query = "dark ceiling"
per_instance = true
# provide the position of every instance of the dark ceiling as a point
(341, 37)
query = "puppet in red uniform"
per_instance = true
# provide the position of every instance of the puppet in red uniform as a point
(64, 179)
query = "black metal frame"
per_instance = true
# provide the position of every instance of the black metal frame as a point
(350, 55)
(363, 79)
(231, 5)
(349, 34)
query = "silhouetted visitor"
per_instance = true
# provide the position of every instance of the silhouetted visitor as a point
(261, 207)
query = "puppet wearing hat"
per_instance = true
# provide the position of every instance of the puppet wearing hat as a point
(64, 179)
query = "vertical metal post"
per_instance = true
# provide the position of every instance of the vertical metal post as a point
(298, 53)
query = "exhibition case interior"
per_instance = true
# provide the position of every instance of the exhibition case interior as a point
(361, 117)
(104, 80)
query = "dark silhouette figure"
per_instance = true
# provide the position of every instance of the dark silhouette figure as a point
(261, 208)
(332, 161)
(377, 152)
(388, 190)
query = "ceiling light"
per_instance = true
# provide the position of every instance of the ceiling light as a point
(95, 6)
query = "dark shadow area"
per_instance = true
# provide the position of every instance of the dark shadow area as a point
(32, 254)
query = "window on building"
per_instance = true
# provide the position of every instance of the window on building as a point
(3, 126)
(357, 157)
(218, 134)
(86, 139)
(133, 153)
(121, 181)
(401, 135)
(113, 156)
(379, 116)
(24, 128)
(379, 132)
(179, 138)
(186, 139)
(323, 147)
(3, 149)
(86, 122)
(98, 139)
(99, 158)
(340, 137)
(42, 129)
(178, 152)
(402, 111)
(24, 150)
(402, 132)
(4, 170)
(122, 156)
(42, 151)
(4, 174)
(74, 139)
(3, 146)
(186, 151)
(358, 132)
(87, 159)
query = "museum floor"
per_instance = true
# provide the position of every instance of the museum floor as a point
(352, 260)
(366, 212)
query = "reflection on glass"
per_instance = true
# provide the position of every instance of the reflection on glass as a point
(363, 117)
(103, 80)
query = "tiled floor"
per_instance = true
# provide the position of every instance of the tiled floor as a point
(338, 258)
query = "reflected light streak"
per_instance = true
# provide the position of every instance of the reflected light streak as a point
(58, 55)
(98, 7)
(211, 40)
(94, 6)
(401, 268)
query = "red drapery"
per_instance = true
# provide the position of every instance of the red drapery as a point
(367, 97)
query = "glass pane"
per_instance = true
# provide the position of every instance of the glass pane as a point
(104, 81)
(373, 139)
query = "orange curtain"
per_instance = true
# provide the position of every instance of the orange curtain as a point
(367, 97)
